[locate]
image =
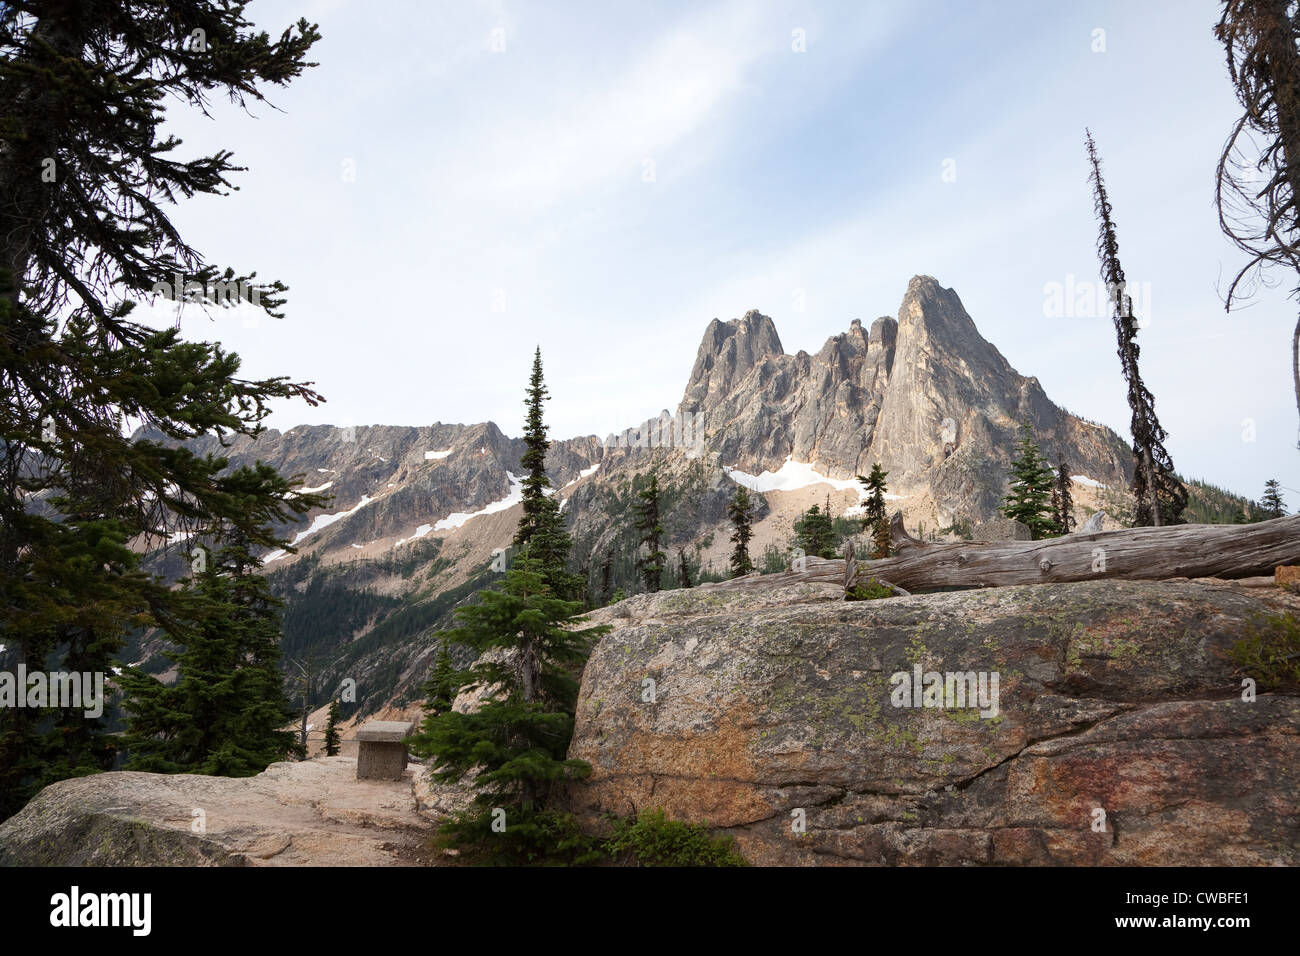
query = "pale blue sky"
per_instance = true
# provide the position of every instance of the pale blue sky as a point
(500, 199)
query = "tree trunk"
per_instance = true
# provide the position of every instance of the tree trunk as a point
(1153, 488)
(26, 196)
(1295, 372)
(1138, 554)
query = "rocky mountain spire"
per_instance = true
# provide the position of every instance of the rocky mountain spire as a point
(924, 394)
(727, 354)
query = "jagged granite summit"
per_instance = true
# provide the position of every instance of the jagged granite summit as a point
(924, 394)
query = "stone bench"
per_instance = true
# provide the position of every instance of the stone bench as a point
(381, 749)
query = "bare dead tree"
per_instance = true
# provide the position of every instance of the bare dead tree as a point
(1257, 183)
(1161, 497)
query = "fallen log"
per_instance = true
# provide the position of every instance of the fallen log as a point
(1137, 554)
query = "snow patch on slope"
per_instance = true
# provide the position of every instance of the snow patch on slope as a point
(458, 519)
(321, 522)
(420, 532)
(585, 473)
(436, 455)
(318, 524)
(792, 476)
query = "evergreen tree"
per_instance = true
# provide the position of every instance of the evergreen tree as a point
(873, 511)
(815, 533)
(444, 685)
(440, 692)
(1271, 504)
(332, 731)
(1028, 500)
(225, 713)
(882, 540)
(739, 511)
(1160, 496)
(683, 570)
(541, 527)
(873, 506)
(515, 744)
(87, 182)
(1062, 500)
(651, 564)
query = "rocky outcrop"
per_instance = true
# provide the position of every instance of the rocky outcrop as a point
(1118, 733)
(925, 395)
(313, 813)
(761, 405)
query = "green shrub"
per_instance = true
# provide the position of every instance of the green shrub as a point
(531, 838)
(1270, 650)
(873, 590)
(654, 840)
(554, 838)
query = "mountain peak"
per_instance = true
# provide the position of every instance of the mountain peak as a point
(924, 394)
(753, 330)
(728, 351)
(932, 318)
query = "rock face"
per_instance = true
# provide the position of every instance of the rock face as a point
(1119, 736)
(925, 395)
(406, 476)
(313, 813)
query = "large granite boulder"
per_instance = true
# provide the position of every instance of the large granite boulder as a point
(1119, 736)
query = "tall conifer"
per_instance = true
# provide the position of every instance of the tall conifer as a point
(740, 512)
(1029, 498)
(332, 730)
(541, 527)
(651, 564)
(1161, 497)
(88, 176)
(515, 742)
